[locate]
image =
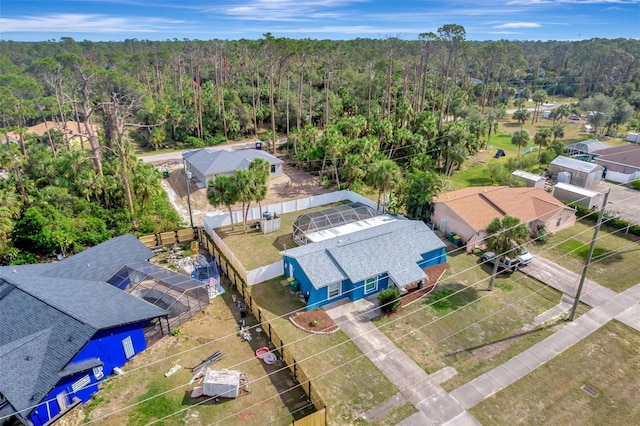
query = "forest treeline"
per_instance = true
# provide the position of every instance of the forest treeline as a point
(388, 113)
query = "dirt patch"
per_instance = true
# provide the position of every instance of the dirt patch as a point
(293, 184)
(70, 127)
(315, 321)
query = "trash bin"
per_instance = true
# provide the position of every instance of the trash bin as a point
(258, 145)
(456, 240)
(450, 236)
(267, 215)
(294, 286)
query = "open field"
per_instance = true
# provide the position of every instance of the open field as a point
(606, 361)
(255, 249)
(615, 254)
(472, 330)
(348, 381)
(211, 330)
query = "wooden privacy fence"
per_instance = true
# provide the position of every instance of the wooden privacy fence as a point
(318, 418)
(169, 238)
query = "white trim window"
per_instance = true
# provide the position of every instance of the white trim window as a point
(127, 344)
(98, 372)
(370, 285)
(333, 290)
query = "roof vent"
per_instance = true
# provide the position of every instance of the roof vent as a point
(88, 265)
(27, 358)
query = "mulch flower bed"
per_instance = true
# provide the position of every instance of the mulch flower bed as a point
(315, 321)
(433, 273)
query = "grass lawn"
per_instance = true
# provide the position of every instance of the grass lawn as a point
(615, 254)
(490, 328)
(255, 249)
(606, 361)
(350, 384)
(213, 329)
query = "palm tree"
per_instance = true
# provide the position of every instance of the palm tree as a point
(539, 98)
(520, 138)
(557, 130)
(522, 115)
(504, 237)
(563, 111)
(541, 139)
(384, 175)
(222, 191)
(260, 171)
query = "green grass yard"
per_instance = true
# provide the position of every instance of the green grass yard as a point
(606, 361)
(474, 330)
(255, 249)
(348, 381)
(614, 260)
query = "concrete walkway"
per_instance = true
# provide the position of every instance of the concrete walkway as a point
(623, 306)
(416, 386)
(437, 407)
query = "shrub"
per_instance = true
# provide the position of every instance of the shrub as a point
(389, 300)
(636, 184)
(541, 235)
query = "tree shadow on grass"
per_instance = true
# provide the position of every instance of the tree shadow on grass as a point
(504, 339)
(284, 242)
(449, 297)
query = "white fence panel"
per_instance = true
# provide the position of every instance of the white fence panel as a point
(618, 177)
(265, 273)
(268, 272)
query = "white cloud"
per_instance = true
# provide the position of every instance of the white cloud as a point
(287, 10)
(518, 25)
(577, 2)
(89, 23)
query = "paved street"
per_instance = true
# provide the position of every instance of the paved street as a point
(438, 407)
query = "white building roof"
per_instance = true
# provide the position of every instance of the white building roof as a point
(576, 189)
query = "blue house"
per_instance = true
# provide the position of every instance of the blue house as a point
(64, 329)
(364, 262)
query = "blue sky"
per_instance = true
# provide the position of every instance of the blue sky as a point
(36, 20)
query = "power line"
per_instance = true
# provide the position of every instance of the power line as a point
(218, 339)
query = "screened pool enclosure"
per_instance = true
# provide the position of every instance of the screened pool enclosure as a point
(322, 224)
(180, 295)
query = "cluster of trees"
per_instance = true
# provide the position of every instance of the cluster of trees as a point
(390, 113)
(243, 186)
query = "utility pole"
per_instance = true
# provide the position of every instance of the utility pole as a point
(187, 174)
(587, 262)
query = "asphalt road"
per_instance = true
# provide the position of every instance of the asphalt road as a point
(177, 155)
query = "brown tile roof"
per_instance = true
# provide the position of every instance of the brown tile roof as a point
(478, 206)
(616, 158)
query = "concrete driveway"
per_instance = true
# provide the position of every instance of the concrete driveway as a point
(623, 201)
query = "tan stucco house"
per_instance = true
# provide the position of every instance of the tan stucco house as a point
(469, 211)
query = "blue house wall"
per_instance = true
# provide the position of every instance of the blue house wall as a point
(105, 345)
(354, 291)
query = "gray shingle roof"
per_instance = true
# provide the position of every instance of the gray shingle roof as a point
(216, 161)
(393, 248)
(95, 303)
(90, 264)
(35, 346)
(48, 313)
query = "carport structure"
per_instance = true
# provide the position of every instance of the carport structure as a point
(182, 296)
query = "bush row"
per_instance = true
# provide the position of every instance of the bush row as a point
(584, 213)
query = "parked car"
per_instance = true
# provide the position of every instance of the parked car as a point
(523, 256)
(505, 264)
(574, 117)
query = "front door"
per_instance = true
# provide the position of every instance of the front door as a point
(443, 225)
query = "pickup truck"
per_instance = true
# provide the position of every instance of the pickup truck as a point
(506, 264)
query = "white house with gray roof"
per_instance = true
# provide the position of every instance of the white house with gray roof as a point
(364, 262)
(205, 164)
